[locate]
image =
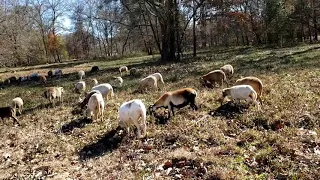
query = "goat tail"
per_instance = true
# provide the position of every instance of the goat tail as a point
(161, 79)
(253, 95)
(112, 94)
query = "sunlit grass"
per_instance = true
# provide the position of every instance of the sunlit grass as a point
(252, 145)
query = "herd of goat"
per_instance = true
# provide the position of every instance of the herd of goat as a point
(134, 112)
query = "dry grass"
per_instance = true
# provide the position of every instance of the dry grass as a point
(281, 141)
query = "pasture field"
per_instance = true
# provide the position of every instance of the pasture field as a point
(279, 142)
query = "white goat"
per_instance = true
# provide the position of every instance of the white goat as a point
(81, 74)
(80, 87)
(123, 69)
(96, 106)
(148, 82)
(105, 89)
(240, 92)
(254, 82)
(158, 77)
(17, 103)
(228, 70)
(119, 80)
(129, 114)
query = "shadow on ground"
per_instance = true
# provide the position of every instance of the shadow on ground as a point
(77, 123)
(39, 107)
(107, 143)
(229, 110)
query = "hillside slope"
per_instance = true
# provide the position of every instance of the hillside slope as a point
(228, 142)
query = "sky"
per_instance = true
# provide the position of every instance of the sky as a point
(66, 22)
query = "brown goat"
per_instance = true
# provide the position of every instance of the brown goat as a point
(42, 79)
(8, 112)
(213, 77)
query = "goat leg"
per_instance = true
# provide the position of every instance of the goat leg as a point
(15, 120)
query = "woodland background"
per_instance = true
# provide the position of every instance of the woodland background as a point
(45, 31)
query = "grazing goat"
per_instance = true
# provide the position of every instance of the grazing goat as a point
(13, 80)
(58, 73)
(22, 79)
(148, 82)
(81, 74)
(254, 82)
(119, 81)
(179, 98)
(96, 106)
(158, 77)
(50, 74)
(42, 79)
(105, 89)
(216, 76)
(94, 82)
(80, 87)
(34, 77)
(6, 82)
(52, 93)
(8, 112)
(123, 69)
(17, 103)
(133, 71)
(129, 114)
(228, 70)
(94, 69)
(86, 99)
(240, 92)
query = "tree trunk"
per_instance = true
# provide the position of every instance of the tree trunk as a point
(203, 27)
(315, 21)
(177, 30)
(144, 41)
(125, 42)
(310, 34)
(168, 33)
(194, 32)
(111, 43)
(44, 42)
(100, 47)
